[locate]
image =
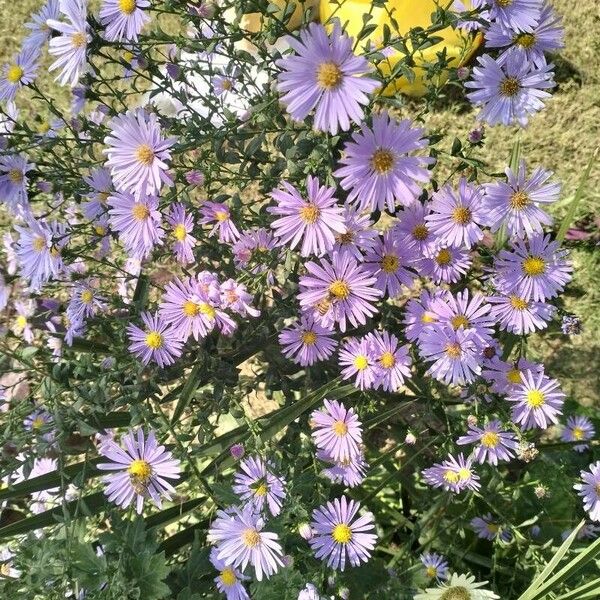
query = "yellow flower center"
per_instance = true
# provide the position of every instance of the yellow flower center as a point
(339, 289)
(154, 340)
(180, 232)
(103, 197)
(43, 127)
(221, 215)
(535, 398)
(453, 350)
(492, 527)
(456, 592)
(140, 211)
(525, 40)
(190, 308)
(145, 154)
(309, 213)
(464, 473)
(390, 263)
(420, 232)
(207, 310)
(361, 362)
(387, 360)
(431, 572)
(345, 238)
(514, 376)
(329, 75)
(341, 533)
(504, 3)
(443, 257)
(519, 200)
(127, 6)
(39, 244)
(578, 433)
(37, 423)
(339, 428)
(451, 476)
(16, 176)
(509, 87)
(427, 318)
(518, 303)
(382, 161)
(100, 230)
(79, 40)
(490, 439)
(250, 537)
(597, 489)
(308, 337)
(461, 215)
(261, 490)
(534, 266)
(87, 296)
(140, 469)
(228, 577)
(226, 84)
(128, 56)
(14, 74)
(459, 321)
(21, 321)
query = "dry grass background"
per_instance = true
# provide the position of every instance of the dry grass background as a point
(561, 138)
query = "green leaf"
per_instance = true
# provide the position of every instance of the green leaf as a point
(587, 590)
(568, 219)
(186, 394)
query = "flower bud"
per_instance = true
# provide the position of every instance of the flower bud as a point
(305, 531)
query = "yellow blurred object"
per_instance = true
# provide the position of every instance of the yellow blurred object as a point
(408, 14)
(252, 21)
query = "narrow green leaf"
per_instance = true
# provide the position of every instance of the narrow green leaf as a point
(591, 587)
(531, 592)
(170, 515)
(568, 219)
(186, 394)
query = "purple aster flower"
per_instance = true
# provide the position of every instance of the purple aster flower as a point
(137, 153)
(102, 187)
(420, 314)
(137, 221)
(229, 580)
(519, 15)
(40, 31)
(142, 468)
(252, 251)
(507, 376)
(447, 264)
(533, 270)
(359, 236)
(85, 301)
(350, 472)
(487, 528)
(307, 342)
(520, 316)
(19, 72)
(391, 361)
(123, 19)
(339, 536)
(469, 23)
(453, 475)
(13, 183)
(237, 451)
(310, 592)
(545, 36)
(388, 262)
(511, 91)
(324, 73)
(222, 84)
(492, 444)
(578, 428)
(337, 430)
(589, 490)
(315, 220)
(182, 224)
(537, 401)
(38, 421)
(412, 228)
(214, 212)
(234, 296)
(454, 354)
(257, 485)
(188, 309)
(436, 565)
(195, 178)
(379, 168)
(456, 217)
(471, 314)
(571, 325)
(240, 539)
(157, 342)
(70, 47)
(338, 291)
(357, 361)
(38, 250)
(515, 203)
